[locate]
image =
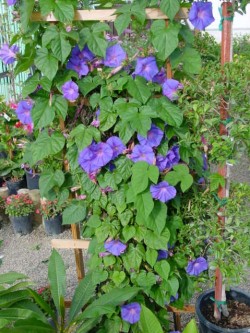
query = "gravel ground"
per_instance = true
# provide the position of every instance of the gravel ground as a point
(29, 254)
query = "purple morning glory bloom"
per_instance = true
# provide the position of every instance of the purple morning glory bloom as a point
(146, 67)
(117, 145)
(85, 55)
(171, 159)
(131, 312)
(175, 332)
(23, 112)
(163, 191)
(162, 254)
(95, 156)
(205, 164)
(8, 53)
(154, 137)
(11, 2)
(170, 88)
(70, 90)
(174, 298)
(142, 153)
(115, 55)
(160, 77)
(195, 267)
(201, 14)
(78, 66)
(115, 247)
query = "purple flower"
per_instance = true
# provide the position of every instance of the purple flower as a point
(171, 159)
(154, 137)
(205, 164)
(170, 88)
(163, 191)
(131, 312)
(142, 153)
(160, 77)
(8, 54)
(146, 67)
(78, 66)
(95, 156)
(115, 55)
(115, 247)
(70, 91)
(174, 298)
(11, 2)
(195, 267)
(95, 123)
(23, 112)
(85, 55)
(117, 145)
(162, 254)
(201, 14)
(175, 332)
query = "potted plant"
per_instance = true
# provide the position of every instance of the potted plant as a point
(51, 212)
(19, 208)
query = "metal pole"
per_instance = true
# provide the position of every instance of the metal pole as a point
(226, 56)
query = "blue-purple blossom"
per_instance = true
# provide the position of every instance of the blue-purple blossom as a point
(142, 153)
(131, 312)
(197, 266)
(115, 247)
(163, 191)
(174, 298)
(117, 146)
(201, 14)
(70, 90)
(162, 254)
(23, 112)
(95, 156)
(115, 55)
(160, 77)
(205, 164)
(78, 66)
(175, 332)
(85, 55)
(171, 159)
(146, 67)
(11, 2)
(154, 137)
(8, 54)
(170, 88)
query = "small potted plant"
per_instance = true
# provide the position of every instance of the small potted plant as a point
(52, 217)
(19, 207)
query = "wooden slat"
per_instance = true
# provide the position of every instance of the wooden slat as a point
(70, 244)
(108, 15)
(186, 309)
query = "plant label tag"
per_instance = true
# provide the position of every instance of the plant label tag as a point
(6, 117)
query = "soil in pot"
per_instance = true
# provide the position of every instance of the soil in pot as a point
(32, 181)
(54, 226)
(14, 186)
(239, 313)
(21, 224)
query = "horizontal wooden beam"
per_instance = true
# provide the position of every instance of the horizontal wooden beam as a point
(108, 15)
(70, 244)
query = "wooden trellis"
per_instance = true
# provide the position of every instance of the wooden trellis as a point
(151, 14)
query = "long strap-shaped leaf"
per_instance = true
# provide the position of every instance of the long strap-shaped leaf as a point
(29, 326)
(83, 293)
(11, 277)
(44, 306)
(57, 279)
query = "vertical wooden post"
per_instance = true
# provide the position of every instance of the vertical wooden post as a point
(168, 65)
(226, 56)
(75, 229)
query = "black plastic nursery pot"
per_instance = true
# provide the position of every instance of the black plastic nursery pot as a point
(13, 187)
(204, 299)
(32, 181)
(54, 226)
(21, 224)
